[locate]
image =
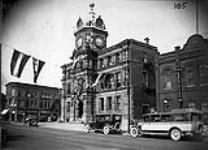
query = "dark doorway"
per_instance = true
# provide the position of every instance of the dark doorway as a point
(80, 108)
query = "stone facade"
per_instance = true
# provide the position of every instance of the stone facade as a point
(183, 76)
(116, 80)
(24, 99)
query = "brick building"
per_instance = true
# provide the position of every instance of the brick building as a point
(183, 76)
(23, 98)
(107, 80)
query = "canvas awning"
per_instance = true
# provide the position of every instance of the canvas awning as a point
(5, 111)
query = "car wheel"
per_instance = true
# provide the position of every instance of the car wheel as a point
(87, 128)
(33, 122)
(175, 134)
(134, 132)
(106, 129)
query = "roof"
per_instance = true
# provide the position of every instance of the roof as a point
(31, 85)
(125, 42)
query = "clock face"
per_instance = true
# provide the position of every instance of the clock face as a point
(99, 41)
(79, 42)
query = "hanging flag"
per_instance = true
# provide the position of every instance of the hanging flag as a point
(75, 60)
(37, 66)
(18, 63)
(97, 79)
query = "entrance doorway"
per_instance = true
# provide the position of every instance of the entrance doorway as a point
(80, 108)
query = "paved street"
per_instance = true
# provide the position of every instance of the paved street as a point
(38, 138)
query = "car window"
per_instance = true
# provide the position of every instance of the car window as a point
(180, 117)
(155, 118)
(146, 118)
(195, 117)
(166, 118)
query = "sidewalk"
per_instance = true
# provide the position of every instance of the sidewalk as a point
(64, 126)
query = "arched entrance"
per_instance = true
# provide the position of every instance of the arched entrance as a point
(80, 108)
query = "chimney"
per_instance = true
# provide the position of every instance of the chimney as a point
(177, 48)
(147, 40)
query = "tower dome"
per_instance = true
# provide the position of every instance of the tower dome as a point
(91, 21)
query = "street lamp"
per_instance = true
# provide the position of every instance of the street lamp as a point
(165, 102)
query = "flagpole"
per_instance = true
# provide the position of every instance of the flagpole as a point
(197, 17)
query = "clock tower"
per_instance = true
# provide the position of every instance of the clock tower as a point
(90, 38)
(90, 35)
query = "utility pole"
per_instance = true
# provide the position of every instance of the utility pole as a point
(179, 76)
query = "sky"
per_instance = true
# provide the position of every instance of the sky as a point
(45, 29)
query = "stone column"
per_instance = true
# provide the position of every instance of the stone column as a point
(71, 111)
(15, 115)
(105, 104)
(84, 116)
(63, 109)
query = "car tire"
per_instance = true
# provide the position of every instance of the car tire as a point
(175, 134)
(87, 128)
(106, 129)
(134, 132)
(33, 122)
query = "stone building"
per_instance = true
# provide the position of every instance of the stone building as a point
(24, 99)
(183, 76)
(119, 79)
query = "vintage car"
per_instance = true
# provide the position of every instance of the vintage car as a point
(175, 124)
(107, 123)
(32, 120)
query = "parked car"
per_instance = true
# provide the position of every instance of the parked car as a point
(32, 120)
(175, 124)
(107, 123)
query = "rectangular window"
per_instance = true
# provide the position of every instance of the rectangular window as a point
(145, 108)
(118, 57)
(45, 104)
(101, 63)
(204, 107)
(41, 104)
(68, 88)
(203, 74)
(101, 104)
(109, 100)
(190, 78)
(110, 60)
(124, 53)
(118, 80)
(117, 103)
